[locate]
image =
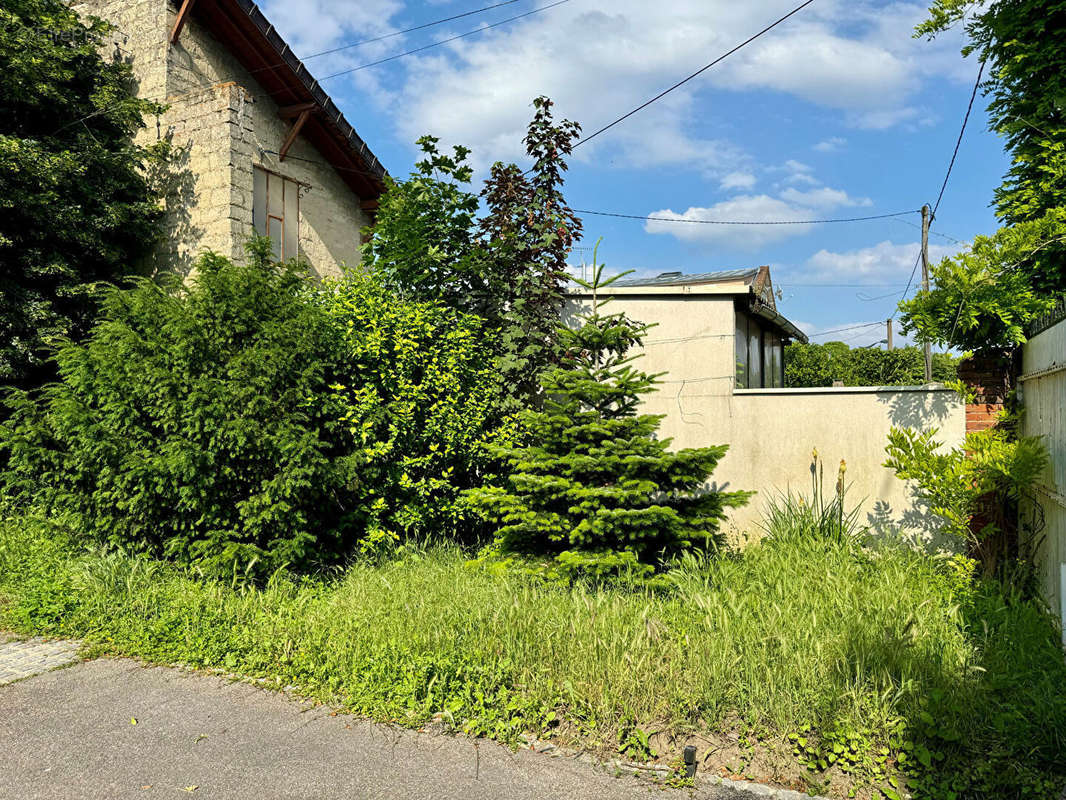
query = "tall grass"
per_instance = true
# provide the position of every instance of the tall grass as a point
(812, 633)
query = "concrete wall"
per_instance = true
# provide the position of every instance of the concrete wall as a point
(1043, 382)
(771, 432)
(220, 123)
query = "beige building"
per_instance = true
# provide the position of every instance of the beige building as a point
(720, 339)
(257, 144)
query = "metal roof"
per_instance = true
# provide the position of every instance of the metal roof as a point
(680, 279)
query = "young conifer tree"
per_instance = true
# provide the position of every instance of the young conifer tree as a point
(591, 486)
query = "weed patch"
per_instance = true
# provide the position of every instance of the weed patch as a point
(883, 666)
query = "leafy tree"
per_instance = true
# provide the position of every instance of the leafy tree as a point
(527, 233)
(75, 206)
(591, 487)
(509, 267)
(251, 417)
(423, 242)
(984, 299)
(977, 489)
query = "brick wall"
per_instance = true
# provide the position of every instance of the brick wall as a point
(990, 378)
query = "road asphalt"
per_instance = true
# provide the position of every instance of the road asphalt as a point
(112, 728)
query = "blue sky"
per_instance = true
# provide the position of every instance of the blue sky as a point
(838, 112)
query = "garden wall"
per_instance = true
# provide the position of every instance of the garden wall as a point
(771, 433)
(1043, 382)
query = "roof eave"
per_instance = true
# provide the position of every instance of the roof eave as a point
(289, 82)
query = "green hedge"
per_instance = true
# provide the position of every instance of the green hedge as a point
(253, 419)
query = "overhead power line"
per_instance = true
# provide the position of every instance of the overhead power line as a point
(430, 46)
(958, 142)
(742, 222)
(394, 34)
(272, 67)
(840, 330)
(698, 72)
(947, 177)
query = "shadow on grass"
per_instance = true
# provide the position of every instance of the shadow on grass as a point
(996, 728)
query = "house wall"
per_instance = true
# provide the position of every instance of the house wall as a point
(771, 432)
(220, 123)
(1043, 382)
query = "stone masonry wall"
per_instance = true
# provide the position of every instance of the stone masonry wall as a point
(221, 124)
(241, 137)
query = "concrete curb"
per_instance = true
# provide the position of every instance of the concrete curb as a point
(662, 772)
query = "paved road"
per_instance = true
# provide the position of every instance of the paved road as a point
(67, 734)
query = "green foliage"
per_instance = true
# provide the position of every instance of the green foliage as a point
(843, 647)
(791, 516)
(527, 233)
(1022, 41)
(822, 364)
(75, 206)
(423, 241)
(983, 299)
(250, 418)
(509, 268)
(413, 392)
(984, 480)
(590, 486)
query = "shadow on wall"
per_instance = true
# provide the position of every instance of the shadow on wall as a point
(173, 180)
(917, 527)
(916, 409)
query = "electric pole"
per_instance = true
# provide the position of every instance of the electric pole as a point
(925, 287)
(888, 339)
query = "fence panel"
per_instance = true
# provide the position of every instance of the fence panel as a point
(1043, 383)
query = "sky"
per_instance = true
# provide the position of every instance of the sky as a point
(838, 112)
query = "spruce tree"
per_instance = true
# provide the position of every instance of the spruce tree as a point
(591, 486)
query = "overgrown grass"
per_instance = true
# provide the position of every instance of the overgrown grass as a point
(799, 637)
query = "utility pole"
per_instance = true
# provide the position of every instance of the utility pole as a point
(925, 286)
(888, 339)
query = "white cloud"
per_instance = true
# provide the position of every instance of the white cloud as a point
(791, 205)
(759, 208)
(737, 180)
(830, 145)
(856, 57)
(823, 198)
(884, 262)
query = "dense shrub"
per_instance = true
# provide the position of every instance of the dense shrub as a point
(822, 364)
(592, 487)
(414, 394)
(251, 417)
(76, 207)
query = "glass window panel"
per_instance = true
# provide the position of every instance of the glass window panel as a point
(777, 363)
(754, 356)
(259, 201)
(277, 234)
(275, 196)
(768, 358)
(291, 246)
(741, 339)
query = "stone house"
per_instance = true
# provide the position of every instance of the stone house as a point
(257, 144)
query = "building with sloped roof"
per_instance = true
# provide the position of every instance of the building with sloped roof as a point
(721, 329)
(257, 143)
